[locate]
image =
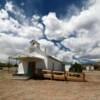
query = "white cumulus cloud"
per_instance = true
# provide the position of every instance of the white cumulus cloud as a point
(80, 33)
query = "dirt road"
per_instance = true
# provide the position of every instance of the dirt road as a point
(50, 90)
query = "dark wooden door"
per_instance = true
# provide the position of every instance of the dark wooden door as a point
(31, 68)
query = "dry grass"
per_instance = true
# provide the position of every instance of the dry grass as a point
(48, 89)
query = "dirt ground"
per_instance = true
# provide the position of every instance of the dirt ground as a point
(48, 89)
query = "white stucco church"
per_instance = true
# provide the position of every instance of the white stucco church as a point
(35, 60)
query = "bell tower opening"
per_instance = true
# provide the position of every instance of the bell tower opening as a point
(34, 46)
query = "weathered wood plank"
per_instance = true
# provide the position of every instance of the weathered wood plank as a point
(63, 75)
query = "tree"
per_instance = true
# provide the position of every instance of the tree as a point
(76, 68)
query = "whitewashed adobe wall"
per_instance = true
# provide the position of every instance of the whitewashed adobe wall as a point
(22, 67)
(52, 63)
(67, 67)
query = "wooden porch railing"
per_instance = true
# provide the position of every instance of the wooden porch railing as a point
(63, 75)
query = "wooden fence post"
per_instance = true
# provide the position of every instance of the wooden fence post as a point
(65, 76)
(83, 76)
(52, 76)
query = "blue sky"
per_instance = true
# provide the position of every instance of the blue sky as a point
(43, 7)
(66, 28)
